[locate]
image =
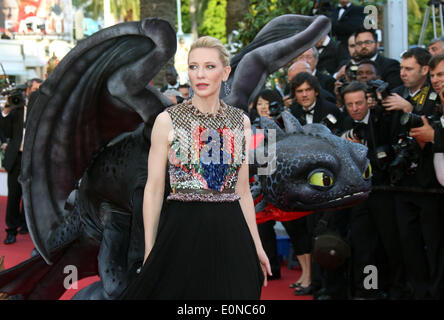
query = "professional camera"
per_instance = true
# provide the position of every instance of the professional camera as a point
(384, 156)
(275, 109)
(375, 86)
(343, 85)
(351, 70)
(330, 122)
(15, 95)
(411, 120)
(357, 133)
(407, 152)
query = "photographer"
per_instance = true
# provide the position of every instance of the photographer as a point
(268, 103)
(12, 123)
(427, 133)
(367, 46)
(373, 227)
(417, 207)
(308, 107)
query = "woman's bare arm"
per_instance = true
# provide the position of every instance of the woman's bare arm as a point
(247, 204)
(155, 185)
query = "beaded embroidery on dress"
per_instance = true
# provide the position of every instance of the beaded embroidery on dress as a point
(206, 153)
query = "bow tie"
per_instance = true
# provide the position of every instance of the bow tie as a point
(360, 125)
(305, 112)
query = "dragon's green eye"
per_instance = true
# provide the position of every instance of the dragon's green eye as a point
(368, 172)
(321, 179)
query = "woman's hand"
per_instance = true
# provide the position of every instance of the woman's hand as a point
(265, 265)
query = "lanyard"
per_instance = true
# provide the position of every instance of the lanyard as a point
(420, 98)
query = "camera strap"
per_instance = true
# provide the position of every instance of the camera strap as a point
(420, 98)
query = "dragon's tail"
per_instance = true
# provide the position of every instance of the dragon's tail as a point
(35, 279)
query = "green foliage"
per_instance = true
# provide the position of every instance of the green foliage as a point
(186, 17)
(262, 11)
(416, 12)
(213, 23)
(119, 8)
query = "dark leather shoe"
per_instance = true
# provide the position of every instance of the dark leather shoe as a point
(23, 230)
(10, 239)
(303, 291)
(324, 297)
(295, 285)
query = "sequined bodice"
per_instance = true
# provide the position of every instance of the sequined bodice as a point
(206, 153)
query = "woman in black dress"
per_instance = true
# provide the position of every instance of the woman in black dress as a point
(202, 243)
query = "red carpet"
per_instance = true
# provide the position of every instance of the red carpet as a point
(21, 250)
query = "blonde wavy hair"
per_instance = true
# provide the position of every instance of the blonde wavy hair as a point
(212, 43)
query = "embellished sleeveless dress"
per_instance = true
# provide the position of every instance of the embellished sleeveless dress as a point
(204, 248)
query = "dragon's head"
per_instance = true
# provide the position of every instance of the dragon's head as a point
(312, 169)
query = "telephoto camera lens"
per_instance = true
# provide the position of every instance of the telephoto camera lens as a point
(411, 120)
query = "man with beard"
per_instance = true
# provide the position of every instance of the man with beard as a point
(352, 60)
(367, 46)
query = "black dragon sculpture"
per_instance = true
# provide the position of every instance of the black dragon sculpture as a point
(87, 140)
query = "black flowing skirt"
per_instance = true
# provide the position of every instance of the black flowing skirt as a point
(203, 250)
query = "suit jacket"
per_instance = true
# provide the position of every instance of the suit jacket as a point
(350, 21)
(321, 109)
(377, 134)
(327, 82)
(12, 127)
(331, 57)
(389, 70)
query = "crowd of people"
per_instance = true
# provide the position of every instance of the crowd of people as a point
(12, 135)
(395, 109)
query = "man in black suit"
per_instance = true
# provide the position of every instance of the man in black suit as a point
(367, 45)
(296, 68)
(427, 133)
(419, 213)
(373, 226)
(345, 20)
(331, 54)
(307, 106)
(171, 79)
(12, 123)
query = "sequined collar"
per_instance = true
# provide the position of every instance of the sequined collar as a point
(220, 112)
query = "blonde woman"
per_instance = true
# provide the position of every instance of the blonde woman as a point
(202, 243)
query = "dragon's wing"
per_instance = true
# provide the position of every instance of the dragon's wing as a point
(277, 44)
(98, 91)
